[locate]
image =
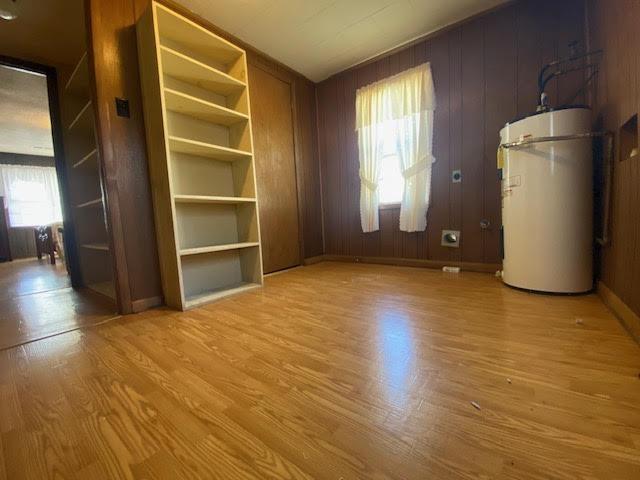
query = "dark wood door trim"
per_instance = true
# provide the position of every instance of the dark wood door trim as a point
(70, 246)
(286, 78)
(108, 166)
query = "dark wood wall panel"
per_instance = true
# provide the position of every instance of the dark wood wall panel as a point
(500, 70)
(613, 26)
(123, 152)
(308, 168)
(473, 83)
(485, 73)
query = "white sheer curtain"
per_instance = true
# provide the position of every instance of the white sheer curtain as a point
(404, 102)
(31, 195)
(370, 110)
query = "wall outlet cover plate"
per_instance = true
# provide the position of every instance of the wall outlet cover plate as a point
(450, 238)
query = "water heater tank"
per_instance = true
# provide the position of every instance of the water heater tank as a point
(547, 204)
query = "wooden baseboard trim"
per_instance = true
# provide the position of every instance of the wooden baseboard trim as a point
(284, 270)
(629, 319)
(407, 262)
(312, 260)
(143, 304)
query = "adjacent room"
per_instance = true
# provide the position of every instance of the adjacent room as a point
(39, 295)
(319, 239)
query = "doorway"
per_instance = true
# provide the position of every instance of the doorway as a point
(275, 170)
(38, 270)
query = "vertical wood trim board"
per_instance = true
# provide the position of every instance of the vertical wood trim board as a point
(613, 27)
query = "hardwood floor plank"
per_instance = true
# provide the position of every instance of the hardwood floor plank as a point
(333, 370)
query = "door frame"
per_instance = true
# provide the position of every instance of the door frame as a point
(70, 247)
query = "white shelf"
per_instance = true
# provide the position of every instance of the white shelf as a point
(190, 70)
(185, 32)
(217, 248)
(90, 203)
(212, 200)
(209, 150)
(196, 104)
(186, 104)
(83, 118)
(96, 246)
(91, 155)
(195, 300)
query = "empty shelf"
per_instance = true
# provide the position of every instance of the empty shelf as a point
(83, 119)
(217, 248)
(91, 155)
(187, 69)
(78, 83)
(202, 149)
(96, 246)
(104, 288)
(195, 300)
(185, 32)
(195, 107)
(91, 203)
(213, 200)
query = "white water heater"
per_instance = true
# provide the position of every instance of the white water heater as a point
(547, 202)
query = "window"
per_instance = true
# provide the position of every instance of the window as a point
(391, 183)
(394, 122)
(31, 195)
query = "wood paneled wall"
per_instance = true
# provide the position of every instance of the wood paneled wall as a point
(112, 37)
(613, 26)
(308, 168)
(485, 73)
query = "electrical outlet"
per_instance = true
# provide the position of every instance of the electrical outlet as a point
(456, 176)
(450, 238)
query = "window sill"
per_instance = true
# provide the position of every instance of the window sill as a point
(389, 206)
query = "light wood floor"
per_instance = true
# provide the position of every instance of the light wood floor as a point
(336, 371)
(30, 275)
(36, 300)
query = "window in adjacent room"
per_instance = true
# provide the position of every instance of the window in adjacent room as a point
(31, 195)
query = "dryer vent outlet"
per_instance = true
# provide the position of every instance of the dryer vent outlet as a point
(450, 238)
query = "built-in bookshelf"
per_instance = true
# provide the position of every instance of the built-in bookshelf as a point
(198, 122)
(85, 184)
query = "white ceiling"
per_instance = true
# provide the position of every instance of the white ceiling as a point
(321, 37)
(24, 113)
